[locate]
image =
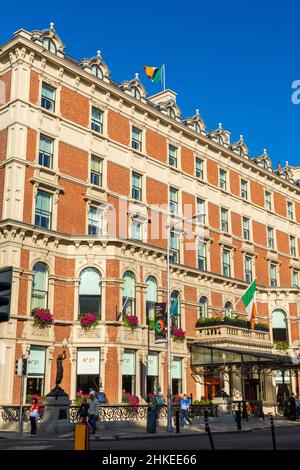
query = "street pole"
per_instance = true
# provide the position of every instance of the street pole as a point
(169, 427)
(169, 394)
(21, 407)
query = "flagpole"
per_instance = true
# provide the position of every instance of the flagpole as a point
(164, 80)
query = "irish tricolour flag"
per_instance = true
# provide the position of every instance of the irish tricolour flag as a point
(154, 73)
(249, 300)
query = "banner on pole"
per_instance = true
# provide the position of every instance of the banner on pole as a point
(160, 323)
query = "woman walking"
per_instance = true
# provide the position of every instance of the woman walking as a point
(34, 416)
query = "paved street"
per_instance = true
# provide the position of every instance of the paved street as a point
(286, 438)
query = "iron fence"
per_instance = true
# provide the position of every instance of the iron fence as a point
(111, 413)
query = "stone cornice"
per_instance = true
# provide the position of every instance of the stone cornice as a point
(111, 87)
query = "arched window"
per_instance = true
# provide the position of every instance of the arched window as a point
(228, 308)
(175, 309)
(171, 112)
(135, 93)
(90, 291)
(128, 297)
(39, 292)
(96, 71)
(279, 326)
(151, 298)
(49, 45)
(203, 307)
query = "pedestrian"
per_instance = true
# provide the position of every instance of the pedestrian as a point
(292, 406)
(184, 410)
(93, 412)
(33, 416)
(84, 411)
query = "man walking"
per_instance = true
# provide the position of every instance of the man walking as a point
(184, 410)
(93, 412)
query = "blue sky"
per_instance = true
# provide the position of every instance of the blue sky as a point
(234, 60)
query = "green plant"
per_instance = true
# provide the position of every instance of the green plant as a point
(281, 345)
(262, 326)
(202, 402)
(202, 320)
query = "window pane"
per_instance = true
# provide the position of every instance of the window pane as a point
(129, 285)
(90, 282)
(89, 304)
(151, 294)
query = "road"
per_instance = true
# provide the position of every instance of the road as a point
(287, 438)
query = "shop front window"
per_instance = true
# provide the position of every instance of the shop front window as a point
(36, 372)
(128, 372)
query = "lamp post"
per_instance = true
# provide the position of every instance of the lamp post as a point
(169, 394)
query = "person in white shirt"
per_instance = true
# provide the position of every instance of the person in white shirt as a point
(93, 412)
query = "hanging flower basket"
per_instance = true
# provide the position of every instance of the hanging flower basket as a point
(178, 335)
(42, 317)
(89, 320)
(131, 321)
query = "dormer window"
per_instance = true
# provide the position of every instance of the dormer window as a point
(197, 128)
(241, 151)
(135, 93)
(49, 45)
(96, 71)
(220, 140)
(171, 113)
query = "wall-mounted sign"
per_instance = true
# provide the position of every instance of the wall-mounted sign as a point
(176, 370)
(128, 367)
(88, 361)
(152, 366)
(36, 361)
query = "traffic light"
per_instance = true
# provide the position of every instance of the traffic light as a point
(5, 293)
(18, 369)
(24, 366)
(21, 367)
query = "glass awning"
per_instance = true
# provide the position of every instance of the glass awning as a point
(203, 355)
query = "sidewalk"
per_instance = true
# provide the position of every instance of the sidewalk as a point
(216, 426)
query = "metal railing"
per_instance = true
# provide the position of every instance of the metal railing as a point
(9, 414)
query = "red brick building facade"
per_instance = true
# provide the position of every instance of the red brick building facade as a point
(91, 172)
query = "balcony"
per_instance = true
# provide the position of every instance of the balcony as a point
(229, 335)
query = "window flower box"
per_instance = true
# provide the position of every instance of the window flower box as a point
(89, 320)
(42, 317)
(131, 321)
(178, 335)
(214, 321)
(132, 400)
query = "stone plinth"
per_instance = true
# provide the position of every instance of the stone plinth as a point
(56, 418)
(224, 408)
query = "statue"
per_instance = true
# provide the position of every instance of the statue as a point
(59, 369)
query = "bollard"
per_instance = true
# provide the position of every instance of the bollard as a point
(273, 433)
(177, 421)
(238, 418)
(245, 414)
(207, 429)
(82, 437)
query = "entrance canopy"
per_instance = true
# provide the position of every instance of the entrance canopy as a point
(204, 356)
